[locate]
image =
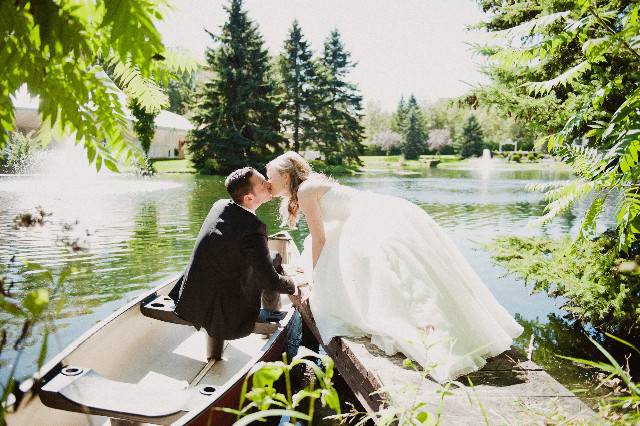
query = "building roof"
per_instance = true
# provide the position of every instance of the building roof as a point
(27, 113)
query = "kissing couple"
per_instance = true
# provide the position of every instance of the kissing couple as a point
(378, 265)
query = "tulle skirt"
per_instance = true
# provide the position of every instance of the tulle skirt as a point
(389, 271)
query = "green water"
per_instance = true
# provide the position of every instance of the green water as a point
(129, 233)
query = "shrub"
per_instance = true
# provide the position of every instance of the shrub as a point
(387, 141)
(328, 169)
(515, 157)
(372, 149)
(211, 166)
(597, 285)
(334, 158)
(439, 140)
(19, 153)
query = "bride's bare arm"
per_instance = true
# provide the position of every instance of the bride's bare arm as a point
(309, 204)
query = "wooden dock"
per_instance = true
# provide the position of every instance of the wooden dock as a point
(509, 390)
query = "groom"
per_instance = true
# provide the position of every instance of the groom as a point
(230, 264)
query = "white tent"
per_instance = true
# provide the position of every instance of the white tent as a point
(168, 142)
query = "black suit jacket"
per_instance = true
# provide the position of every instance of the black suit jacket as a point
(230, 266)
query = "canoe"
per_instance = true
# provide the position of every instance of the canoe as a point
(143, 364)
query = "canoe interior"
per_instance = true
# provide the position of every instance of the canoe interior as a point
(129, 347)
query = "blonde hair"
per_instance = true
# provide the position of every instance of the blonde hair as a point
(297, 170)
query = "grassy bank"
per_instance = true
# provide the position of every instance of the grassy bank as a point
(503, 164)
(173, 166)
(398, 163)
(185, 166)
(391, 163)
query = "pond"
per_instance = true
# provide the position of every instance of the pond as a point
(123, 234)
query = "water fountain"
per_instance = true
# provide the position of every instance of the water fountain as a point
(63, 169)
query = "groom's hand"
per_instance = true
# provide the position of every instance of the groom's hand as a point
(303, 289)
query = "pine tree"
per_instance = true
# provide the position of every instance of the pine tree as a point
(472, 138)
(399, 117)
(413, 129)
(298, 74)
(415, 138)
(237, 111)
(339, 132)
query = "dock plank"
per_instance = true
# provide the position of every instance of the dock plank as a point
(510, 389)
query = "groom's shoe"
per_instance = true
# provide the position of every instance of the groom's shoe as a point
(265, 328)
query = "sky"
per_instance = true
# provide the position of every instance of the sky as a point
(400, 46)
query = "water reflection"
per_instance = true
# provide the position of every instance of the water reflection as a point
(138, 231)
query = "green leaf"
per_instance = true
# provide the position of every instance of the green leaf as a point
(36, 301)
(10, 307)
(624, 342)
(588, 226)
(38, 269)
(91, 152)
(305, 393)
(43, 348)
(330, 397)
(66, 272)
(111, 165)
(267, 374)
(564, 79)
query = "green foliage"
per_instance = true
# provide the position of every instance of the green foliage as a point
(570, 70)
(55, 48)
(399, 117)
(412, 413)
(472, 139)
(256, 403)
(320, 166)
(298, 77)
(415, 143)
(623, 408)
(180, 91)
(236, 113)
(340, 108)
(18, 154)
(375, 120)
(31, 307)
(144, 126)
(597, 286)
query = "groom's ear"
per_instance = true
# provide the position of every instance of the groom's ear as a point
(247, 198)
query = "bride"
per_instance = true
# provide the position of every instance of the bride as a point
(382, 267)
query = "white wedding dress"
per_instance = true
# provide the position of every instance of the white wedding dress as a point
(387, 270)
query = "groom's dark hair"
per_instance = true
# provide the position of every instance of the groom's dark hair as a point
(238, 183)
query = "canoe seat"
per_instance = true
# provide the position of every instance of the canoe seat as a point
(85, 391)
(161, 308)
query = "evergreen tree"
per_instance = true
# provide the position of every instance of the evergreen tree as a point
(399, 117)
(237, 111)
(298, 73)
(180, 91)
(472, 138)
(339, 132)
(415, 137)
(144, 126)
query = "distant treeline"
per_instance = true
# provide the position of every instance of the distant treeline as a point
(448, 126)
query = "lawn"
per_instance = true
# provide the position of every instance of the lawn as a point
(173, 166)
(396, 162)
